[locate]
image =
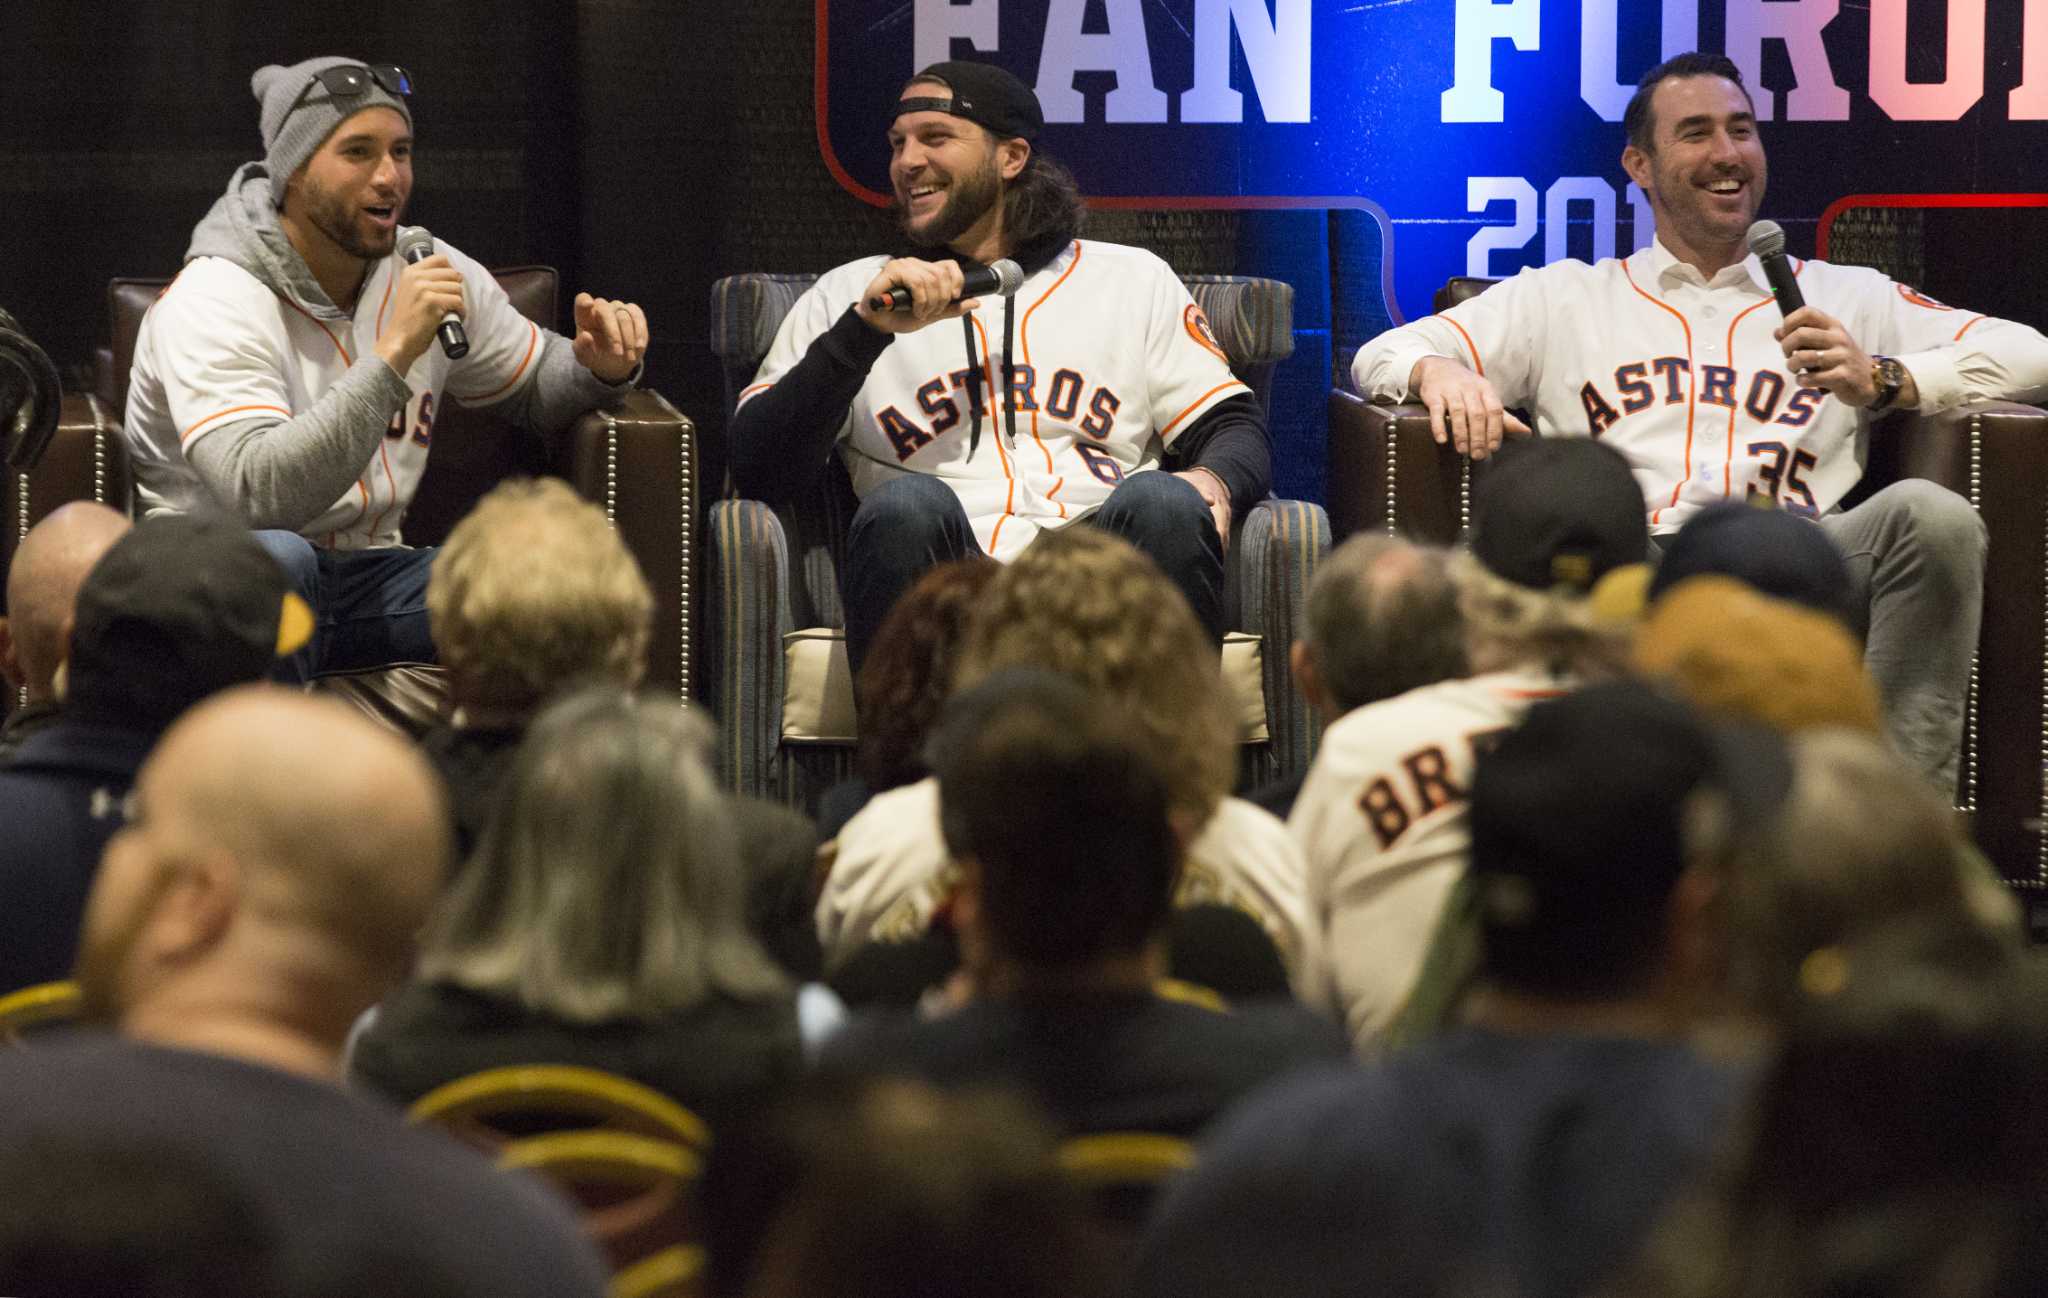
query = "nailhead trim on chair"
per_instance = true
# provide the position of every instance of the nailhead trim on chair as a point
(1970, 738)
(1393, 480)
(20, 533)
(685, 541)
(99, 449)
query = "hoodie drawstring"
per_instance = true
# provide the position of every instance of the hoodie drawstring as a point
(1005, 393)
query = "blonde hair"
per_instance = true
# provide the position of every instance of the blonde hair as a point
(1508, 624)
(533, 590)
(1088, 606)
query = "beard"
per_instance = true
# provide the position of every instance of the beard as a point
(340, 223)
(968, 199)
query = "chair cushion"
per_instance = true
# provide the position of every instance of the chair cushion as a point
(817, 698)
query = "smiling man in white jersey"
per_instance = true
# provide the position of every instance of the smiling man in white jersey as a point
(291, 375)
(1679, 358)
(1112, 372)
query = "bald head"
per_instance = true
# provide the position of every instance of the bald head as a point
(42, 586)
(282, 850)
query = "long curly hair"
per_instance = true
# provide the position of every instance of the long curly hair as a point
(904, 680)
(1089, 606)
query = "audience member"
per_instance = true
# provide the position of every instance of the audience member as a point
(291, 372)
(1893, 1149)
(532, 592)
(175, 610)
(1381, 816)
(903, 683)
(1381, 619)
(1776, 552)
(280, 855)
(42, 591)
(1858, 842)
(1527, 1152)
(601, 921)
(1083, 604)
(891, 1190)
(1062, 823)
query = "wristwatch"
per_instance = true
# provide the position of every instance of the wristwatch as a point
(1890, 377)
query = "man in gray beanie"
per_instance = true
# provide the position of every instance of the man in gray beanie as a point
(291, 371)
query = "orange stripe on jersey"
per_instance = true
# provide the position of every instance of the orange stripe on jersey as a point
(1728, 464)
(988, 371)
(1691, 383)
(752, 391)
(1024, 343)
(1966, 327)
(323, 327)
(1167, 431)
(1478, 366)
(532, 341)
(222, 414)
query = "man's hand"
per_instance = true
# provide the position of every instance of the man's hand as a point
(1464, 406)
(1823, 355)
(932, 284)
(1215, 495)
(611, 337)
(428, 289)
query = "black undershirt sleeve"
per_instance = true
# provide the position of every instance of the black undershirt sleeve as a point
(1229, 440)
(781, 437)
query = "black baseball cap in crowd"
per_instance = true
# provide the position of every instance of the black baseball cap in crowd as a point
(1556, 511)
(982, 93)
(181, 607)
(1579, 819)
(1776, 552)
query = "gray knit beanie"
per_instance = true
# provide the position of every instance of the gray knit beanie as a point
(295, 128)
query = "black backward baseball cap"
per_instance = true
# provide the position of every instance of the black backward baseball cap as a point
(1558, 511)
(983, 94)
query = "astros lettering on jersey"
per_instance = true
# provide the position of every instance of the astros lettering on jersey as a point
(220, 347)
(1111, 360)
(1684, 376)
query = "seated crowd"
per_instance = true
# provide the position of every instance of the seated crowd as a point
(1607, 947)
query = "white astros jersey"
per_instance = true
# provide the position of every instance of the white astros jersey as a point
(1684, 377)
(1381, 822)
(1111, 359)
(219, 347)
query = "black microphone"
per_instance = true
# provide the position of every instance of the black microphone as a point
(1002, 278)
(1767, 241)
(415, 244)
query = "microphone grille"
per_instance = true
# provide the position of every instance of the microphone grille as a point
(1009, 276)
(414, 239)
(1766, 238)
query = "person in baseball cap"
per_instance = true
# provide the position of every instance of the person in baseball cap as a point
(1778, 553)
(178, 609)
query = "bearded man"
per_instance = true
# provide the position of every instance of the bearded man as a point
(1677, 358)
(290, 372)
(1054, 405)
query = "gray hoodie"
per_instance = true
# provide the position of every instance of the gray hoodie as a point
(284, 473)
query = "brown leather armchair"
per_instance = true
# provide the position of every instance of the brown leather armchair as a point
(639, 462)
(1385, 471)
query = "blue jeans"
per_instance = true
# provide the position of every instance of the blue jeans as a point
(915, 522)
(369, 606)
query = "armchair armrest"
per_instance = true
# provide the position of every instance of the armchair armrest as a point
(1278, 549)
(640, 463)
(1387, 472)
(749, 575)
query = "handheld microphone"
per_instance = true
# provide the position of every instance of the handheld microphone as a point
(415, 244)
(1767, 241)
(1002, 278)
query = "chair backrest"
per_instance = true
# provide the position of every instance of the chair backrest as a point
(30, 1008)
(492, 1108)
(473, 449)
(634, 1194)
(1459, 288)
(1122, 1172)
